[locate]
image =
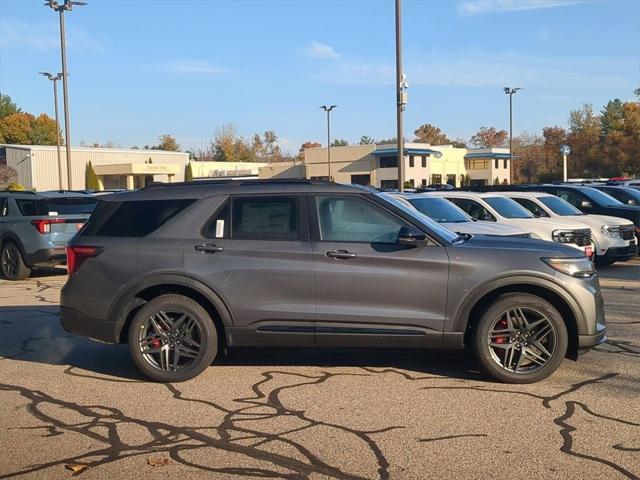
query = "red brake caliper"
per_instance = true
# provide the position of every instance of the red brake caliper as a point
(156, 343)
(502, 324)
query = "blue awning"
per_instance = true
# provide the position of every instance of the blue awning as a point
(388, 152)
(488, 155)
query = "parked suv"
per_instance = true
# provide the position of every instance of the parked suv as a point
(34, 229)
(180, 271)
(613, 238)
(495, 207)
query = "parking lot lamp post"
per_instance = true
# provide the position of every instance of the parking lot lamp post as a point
(54, 79)
(401, 96)
(328, 108)
(510, 91)
(60, 7)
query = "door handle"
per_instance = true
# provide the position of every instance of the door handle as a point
(340, 254)
(208, 248)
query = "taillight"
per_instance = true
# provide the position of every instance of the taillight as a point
(44, 226)
(76, 255)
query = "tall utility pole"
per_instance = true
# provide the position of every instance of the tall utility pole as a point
(328, 108)
(401, 87)
(54, 79)
(510, 91)
(61, 8)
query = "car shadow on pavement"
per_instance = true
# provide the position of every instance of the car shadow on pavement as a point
(622, 270)
(33, 334)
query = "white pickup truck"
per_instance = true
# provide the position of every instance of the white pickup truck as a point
(495, 207)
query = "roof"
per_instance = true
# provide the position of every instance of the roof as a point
(93, 149)
(488, 155)
(212, 188)
(457, 193)
(383, 152)
(523, 194)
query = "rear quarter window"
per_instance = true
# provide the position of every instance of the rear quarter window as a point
(132, 219)
(56, 206)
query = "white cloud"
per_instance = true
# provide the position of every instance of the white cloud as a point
(193, 67)
(479, 7)
(15, 33)
(318, 50)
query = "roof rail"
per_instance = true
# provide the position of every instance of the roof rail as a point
(18, 192)
(222, 181)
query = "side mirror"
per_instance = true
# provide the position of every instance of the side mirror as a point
(411, 236)
(488, 218)
(586, 204)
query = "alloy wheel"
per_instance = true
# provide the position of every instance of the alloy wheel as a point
(170, 340)
(522, 340)
(10, 261)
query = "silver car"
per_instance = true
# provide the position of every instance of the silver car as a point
(181, 271)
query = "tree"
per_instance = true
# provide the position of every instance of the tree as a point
(8, 175)
(304, 146)
(43, 131)
(428, 133)
(339, 143)
(366, 140)
(7, 106)
(636, 92)
(584, 137)
(458, 143)
(489, 137)
(90, 178)
(168, 142)
(16, 128)
(612, 117)
(528, 151)
(188, 173)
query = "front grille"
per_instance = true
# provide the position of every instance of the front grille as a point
(627, 232)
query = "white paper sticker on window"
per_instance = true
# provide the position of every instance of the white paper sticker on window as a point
(219, 228)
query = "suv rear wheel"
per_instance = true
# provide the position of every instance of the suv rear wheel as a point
(520, 338)
(172, 339)
(13, 266)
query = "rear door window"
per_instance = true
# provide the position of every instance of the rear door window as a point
(264, 218)
(532, 206)
(474, 209)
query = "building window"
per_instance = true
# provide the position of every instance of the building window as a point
(361, 179)
(424, 161)
(497, 163)
(412, 182)
(424, 182)
(436, 179)
(388, 162)
(451, 180)
(505, 163)
(478, 164)
(411, 161)
(389, 184)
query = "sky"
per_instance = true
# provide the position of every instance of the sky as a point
(142, 68)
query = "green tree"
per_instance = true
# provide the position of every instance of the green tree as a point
(43, 130)
(90, 178)
(188, 173)
(428, 133)
(339, 143)
(612, 117)
(366, 140)
(16, 128)
(489, 137)
(169, 143)
(7, 106)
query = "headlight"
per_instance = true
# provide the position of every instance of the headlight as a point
(612, 231)
(581, 237)
(580, 267)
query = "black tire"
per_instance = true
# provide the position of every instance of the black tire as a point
(12, 264)
(494, 356)
(144, 349)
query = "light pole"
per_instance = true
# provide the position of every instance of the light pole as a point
(510, 91)
(61, 7)
(401, 93)
(328, 108)
(54, 79)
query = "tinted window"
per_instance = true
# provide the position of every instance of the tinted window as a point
(218, 226)
(132, 219)
(559, 206)
(56, 206)
(353, 219)
(265, 218)
(628, 196)
(474, 209)
(3, 207)
(532, 206)
(508, 208)
(388, 162)
(439, 209)
(27, 207)
(601, 198)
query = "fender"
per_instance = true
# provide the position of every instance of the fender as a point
(461, 317)
(126, 299)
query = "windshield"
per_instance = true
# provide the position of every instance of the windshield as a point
(508, 208)
(446, 234)
(602, 198)
(559, 206)
(439, 209)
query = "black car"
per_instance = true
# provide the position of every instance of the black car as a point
(591, 200)
(626, 195)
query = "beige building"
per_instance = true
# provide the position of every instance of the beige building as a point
(37, 166)
(226, 169)
(488, 166)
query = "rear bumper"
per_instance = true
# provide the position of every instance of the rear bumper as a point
(74, 321)
(46, 257)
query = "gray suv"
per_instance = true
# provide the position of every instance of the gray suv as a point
(180, 271)
(34, 229)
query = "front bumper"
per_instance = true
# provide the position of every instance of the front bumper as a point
(622, 254)
(590, 341)
(76, 322)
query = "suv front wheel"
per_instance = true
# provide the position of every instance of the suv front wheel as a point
(520, 338)
(172, 339)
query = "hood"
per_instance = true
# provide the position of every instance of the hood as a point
(606, 219)
(484, 228)
(547, 223)
(529, 245)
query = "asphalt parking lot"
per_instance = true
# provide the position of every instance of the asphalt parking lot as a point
(345, 414)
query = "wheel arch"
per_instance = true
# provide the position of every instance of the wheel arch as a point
(561, 299)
